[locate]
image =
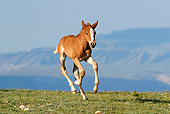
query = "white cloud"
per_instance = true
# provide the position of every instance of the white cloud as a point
(163, 78)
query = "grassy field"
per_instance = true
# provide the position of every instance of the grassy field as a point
(58, 102)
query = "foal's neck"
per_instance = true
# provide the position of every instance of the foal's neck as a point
(82, 39)
(81, 35)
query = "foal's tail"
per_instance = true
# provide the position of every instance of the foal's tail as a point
(55, 51)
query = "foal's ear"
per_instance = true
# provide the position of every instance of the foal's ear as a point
(94, 25)
(83, 24)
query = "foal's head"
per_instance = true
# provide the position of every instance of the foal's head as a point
(89, 33)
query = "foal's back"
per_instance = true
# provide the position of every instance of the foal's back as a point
(70, 46)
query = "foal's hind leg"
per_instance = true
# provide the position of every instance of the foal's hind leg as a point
(62, 58)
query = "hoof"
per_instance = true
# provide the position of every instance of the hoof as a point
(85, 98)
(94, 91)
(74, 92)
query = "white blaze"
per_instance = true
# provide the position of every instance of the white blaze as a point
(92, 34)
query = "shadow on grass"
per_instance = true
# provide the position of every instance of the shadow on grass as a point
(152, 100)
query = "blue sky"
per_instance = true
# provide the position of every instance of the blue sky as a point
(26, 24)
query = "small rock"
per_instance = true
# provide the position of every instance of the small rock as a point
(26, 109)
(97, 112)
(22, 107)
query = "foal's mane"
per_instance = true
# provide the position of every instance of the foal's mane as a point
(79, 33)
(88, 24)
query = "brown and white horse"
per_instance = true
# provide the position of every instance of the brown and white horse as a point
(78, 48)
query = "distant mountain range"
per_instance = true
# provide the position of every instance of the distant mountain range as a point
(60, 83)
(134, 54)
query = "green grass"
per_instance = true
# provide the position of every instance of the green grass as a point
(58, 102)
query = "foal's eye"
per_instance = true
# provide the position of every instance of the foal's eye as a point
(86, 33)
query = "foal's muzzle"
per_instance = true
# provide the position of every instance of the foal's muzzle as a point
(93, 44)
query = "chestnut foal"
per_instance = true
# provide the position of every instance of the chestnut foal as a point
(78, 48)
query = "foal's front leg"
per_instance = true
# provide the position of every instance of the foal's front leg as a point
(76, 75)
(79, 80)
(91, 61)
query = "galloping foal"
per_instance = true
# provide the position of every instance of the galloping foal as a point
(78, 48)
